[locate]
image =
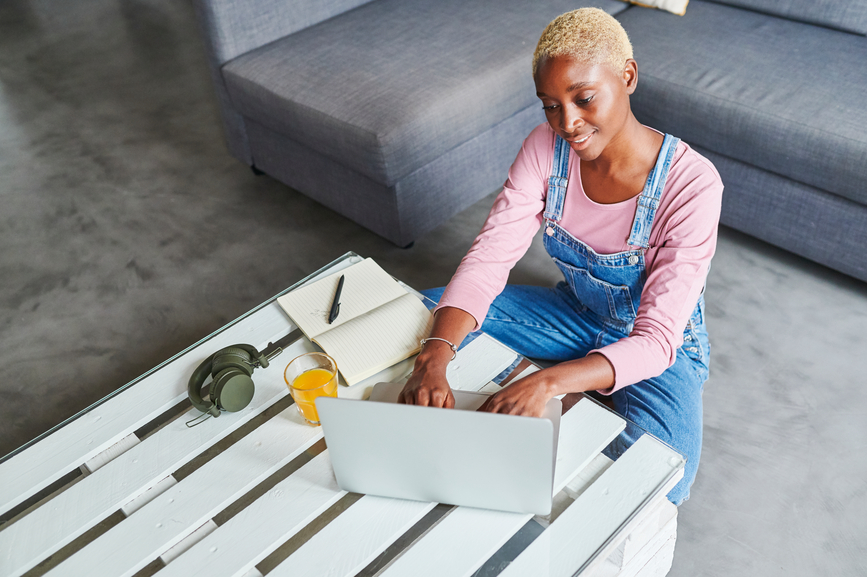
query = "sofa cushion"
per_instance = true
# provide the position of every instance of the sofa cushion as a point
(389, 86)
(846, 15)
(783, 96)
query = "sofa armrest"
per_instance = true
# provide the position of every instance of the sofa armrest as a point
(231, 28)
(234, 27)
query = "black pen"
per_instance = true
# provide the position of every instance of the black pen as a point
(335, 306)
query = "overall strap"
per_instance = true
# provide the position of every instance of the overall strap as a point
(648, 201)
(558, 181)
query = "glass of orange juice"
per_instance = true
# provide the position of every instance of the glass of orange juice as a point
(309, 376)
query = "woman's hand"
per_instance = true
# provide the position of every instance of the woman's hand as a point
(527, 397)
(427, 387)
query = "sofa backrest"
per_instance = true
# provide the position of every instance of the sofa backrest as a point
(234, 27)
(845, 15)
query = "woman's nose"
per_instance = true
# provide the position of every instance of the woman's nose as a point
(571, 120)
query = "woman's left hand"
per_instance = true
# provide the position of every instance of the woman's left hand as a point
(526, 397)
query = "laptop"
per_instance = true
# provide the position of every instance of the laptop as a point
(457, 456)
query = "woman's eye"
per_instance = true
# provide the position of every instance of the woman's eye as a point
(585, 100)
(549, 107)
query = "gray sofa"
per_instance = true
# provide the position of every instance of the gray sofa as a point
(395, 113)
(400, 113)
(774, 96)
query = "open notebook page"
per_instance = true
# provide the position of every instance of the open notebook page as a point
(366, 287)
(378, 339)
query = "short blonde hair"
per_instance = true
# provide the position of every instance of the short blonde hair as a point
(587, 34)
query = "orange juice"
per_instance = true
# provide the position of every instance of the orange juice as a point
(309, 385)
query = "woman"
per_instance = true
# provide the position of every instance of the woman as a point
(630, 217)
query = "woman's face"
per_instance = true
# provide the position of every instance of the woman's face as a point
(586, 104)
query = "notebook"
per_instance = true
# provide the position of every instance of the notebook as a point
(380, 322)
(457, 456)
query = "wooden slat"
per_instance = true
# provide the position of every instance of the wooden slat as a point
(254, 533)
(654, 549)
(633, 527)
(467, 373)
(657, 565)
(169, 518)
(158, 489)
(587, 476)
(585, 430)
(111, 453)
(459, 544)
(465, 539)
(596, 515)
(351, 541)
(636, 544)
(39, 534)
(188, 542)
(30, 471)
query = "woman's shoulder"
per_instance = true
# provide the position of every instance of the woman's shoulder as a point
(534, 160)
(540, 140)
(693, 190)
(695, 166)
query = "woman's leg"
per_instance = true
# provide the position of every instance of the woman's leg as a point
(537, 322)
(669, 407)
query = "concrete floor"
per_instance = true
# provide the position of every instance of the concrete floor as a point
(127, 233)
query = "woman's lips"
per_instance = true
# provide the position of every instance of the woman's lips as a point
(580, 142)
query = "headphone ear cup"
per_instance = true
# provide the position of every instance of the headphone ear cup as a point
(234, 358)
(232, 390)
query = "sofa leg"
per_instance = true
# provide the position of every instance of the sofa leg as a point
(256, 171)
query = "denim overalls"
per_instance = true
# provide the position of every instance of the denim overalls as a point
(596, 305)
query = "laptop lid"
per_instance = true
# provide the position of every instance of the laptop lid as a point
(460, 456)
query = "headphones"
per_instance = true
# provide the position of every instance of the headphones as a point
(231, 388)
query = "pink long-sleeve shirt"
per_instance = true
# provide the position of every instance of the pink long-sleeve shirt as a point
(682, 242)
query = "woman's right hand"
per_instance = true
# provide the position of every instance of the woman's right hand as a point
(428, 386)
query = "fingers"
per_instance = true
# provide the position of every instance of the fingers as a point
(504, 406)
(504, 409)
(450, 401)
(427, 397)
(440, 398)
(496, 405)
(422, 397)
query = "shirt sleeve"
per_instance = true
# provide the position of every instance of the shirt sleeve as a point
(685, 244)
(508, 231)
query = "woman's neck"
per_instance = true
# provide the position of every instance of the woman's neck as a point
(619, 173)
(634, 146)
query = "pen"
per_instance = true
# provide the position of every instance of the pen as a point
(335, 306)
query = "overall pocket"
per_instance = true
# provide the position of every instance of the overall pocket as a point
(604, 299)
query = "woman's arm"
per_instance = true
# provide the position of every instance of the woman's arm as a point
(528, 396)
(482, 274)
(428, 385)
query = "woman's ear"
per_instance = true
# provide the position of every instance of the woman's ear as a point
(630, 75)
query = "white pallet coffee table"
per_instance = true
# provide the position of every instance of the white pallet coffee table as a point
(126, 488)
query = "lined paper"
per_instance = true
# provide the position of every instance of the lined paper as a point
(380, 322)
(377, 339)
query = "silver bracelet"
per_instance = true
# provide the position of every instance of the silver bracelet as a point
(449, 343)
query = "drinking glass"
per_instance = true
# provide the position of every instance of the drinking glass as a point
(309, 376)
